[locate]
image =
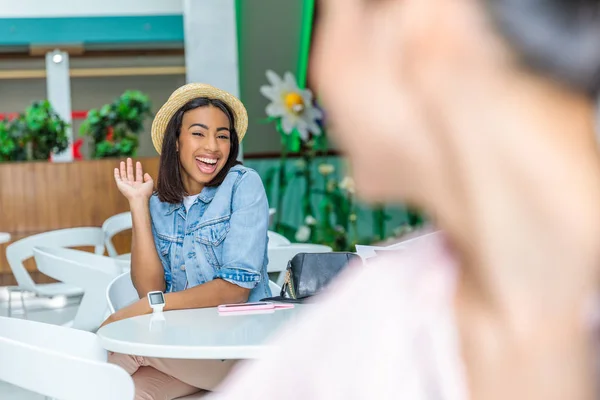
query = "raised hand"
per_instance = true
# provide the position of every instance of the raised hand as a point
(134, 186)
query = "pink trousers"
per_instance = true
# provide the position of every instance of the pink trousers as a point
(166, 379)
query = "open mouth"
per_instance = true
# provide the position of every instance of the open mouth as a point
(207, 165)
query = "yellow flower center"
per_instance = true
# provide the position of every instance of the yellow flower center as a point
(294, 102)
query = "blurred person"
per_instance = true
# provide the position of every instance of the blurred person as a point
(481, 113)
(205, 204)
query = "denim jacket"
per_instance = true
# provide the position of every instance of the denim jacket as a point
(223, 235)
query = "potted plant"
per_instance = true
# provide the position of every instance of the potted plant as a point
(33, 135)
(9, 146)
(115, 127)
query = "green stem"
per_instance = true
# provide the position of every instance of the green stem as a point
(306, 201)
(305, 39)
(281, 187)
(379, 223)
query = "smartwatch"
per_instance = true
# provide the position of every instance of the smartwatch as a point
(156, 300)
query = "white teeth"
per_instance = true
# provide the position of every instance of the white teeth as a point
(207, 160)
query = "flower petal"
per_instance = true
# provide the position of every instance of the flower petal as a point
(287, 123)
(275, 110)
(290, 83)
(270, 93)
(307, 96)
(314, 113)
(314, 128)
(302, 128)
(273, 78)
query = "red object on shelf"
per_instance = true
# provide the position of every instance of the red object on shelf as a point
(9, 116)
(75, 115)
(77, 150)
(79, 115)
(109, 135)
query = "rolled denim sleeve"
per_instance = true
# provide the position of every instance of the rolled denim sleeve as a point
(244, 248)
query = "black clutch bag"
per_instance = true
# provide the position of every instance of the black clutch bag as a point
(309, 273)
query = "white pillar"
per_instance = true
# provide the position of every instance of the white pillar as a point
(58, 85)
(211, 48)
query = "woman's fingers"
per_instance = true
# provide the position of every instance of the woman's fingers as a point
(139, 173)
(130, 174)
(123, 171)
(117, 175)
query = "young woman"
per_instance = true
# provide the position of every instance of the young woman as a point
(481, 112)
(201, 237)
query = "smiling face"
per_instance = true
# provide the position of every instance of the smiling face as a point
(204, 145)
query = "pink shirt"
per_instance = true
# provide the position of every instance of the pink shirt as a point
(385, 331)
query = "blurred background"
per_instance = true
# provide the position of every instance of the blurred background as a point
(80, 82)
(145, 40)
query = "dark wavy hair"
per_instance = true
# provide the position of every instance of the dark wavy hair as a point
(169, 186)
(560, 38)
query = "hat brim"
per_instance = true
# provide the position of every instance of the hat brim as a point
(187, 93)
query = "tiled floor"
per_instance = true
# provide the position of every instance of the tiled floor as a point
(56, 311)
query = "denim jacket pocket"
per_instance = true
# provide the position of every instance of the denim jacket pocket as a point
(210, 237)
(163, 244)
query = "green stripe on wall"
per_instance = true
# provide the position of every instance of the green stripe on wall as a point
(308, 9)
(26, 31)
(240, 44)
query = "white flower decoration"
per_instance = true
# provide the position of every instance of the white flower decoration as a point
(310, 220)
(302, 234)
(293, 105)
(326, 169)
(347, 184)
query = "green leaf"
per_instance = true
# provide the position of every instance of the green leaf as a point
(288, 231)
(294, 143)
(269, 180)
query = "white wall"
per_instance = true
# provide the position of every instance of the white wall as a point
(211, 48)
(87, 8)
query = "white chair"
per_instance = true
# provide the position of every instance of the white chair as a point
(21, 250)
(121, 293)
(272, 212)
(91, 272)
(59, 362)
(279, 256)
(275, 288)
(112, 226)
(276, 239)
(4, 237)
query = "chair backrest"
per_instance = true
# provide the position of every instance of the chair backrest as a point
(121, 292)
(90, 272)
(21, 250)
(275, 288)
(112, 226)
(276, 239)
(59, 362)
(272, 212)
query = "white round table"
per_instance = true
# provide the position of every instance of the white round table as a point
(4, 237)
(196, 334)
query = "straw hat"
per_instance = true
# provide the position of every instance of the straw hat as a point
(189, 92)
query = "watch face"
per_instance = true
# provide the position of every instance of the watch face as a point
(157, 298)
